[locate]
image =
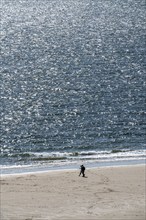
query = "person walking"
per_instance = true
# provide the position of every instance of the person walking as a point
(82, 171)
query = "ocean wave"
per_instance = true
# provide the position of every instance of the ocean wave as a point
(51, 157)
(48, 158)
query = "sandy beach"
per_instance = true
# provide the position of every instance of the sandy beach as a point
(106, 193)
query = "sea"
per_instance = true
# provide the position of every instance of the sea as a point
(73, 80)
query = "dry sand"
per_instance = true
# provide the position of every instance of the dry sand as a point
(106, 193)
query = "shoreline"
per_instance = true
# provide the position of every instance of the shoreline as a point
(3, 176)
(44, 169)
(106, 193)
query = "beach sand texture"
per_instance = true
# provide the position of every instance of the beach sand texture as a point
(107, 193)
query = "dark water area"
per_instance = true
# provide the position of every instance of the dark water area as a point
(72, 80)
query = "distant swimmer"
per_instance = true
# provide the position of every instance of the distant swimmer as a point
(82, 171)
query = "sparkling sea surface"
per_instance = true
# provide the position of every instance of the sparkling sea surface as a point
(72, 81)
